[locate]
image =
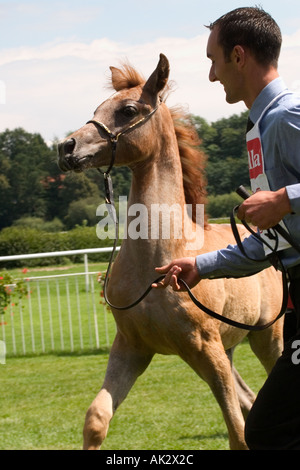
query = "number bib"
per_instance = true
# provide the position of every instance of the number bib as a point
(258, 177)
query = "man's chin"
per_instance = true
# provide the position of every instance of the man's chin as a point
(231, 99)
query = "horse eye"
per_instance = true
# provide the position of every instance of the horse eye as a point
(129, 111)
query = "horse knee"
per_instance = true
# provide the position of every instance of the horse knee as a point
(95, 428)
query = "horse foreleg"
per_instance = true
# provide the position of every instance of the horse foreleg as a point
(212, 364)
(124, 366)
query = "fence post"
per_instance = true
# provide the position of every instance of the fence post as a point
(86, 270)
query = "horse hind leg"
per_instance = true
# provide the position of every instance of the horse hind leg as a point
(245, 395)
(267, 345)
(213, 366)
(124, 366)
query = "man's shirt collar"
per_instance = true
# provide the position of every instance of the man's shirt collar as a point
(266, 95)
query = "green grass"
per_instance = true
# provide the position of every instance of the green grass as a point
(44, 400)
(44, 397)
(55, 269)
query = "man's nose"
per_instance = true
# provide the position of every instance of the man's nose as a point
(212, 76)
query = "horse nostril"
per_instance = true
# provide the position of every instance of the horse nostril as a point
(69, 146)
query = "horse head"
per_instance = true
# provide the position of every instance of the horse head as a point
(121, 120)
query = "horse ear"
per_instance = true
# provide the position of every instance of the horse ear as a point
(118, 78)
(158, 79)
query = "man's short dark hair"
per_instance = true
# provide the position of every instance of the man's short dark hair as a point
(253, 28)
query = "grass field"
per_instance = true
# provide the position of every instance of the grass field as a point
(44, 397)
(44, 400)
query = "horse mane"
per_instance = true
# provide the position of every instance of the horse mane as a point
(125, 77)
(192, 158)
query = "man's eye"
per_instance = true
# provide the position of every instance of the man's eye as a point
(130, 111)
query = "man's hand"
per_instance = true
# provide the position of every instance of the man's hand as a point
(265, 209)
(183, 268)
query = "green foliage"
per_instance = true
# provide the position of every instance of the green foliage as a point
(221, 205)
(17, 241)
(32, 185)
(38, 223)
(23, 158)
(81, 212)
(224, 143)
(10, 288)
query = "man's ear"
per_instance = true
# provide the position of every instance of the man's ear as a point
(239, 55)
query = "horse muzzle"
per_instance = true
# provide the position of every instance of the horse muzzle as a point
(67, 161)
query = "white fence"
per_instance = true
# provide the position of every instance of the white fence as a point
(61, 313)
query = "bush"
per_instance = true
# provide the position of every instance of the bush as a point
(18, 241)
(222, 205)
(82, 212)
(10, 288)
(38, 223)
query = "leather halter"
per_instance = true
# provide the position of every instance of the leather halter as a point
(114, 138)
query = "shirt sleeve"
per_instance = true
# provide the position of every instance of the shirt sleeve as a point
(230, 261)
(293, 192)
(288, 130)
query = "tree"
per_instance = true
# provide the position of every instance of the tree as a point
(22, 163)
(82, 212)
(32, 185)
(224, 144)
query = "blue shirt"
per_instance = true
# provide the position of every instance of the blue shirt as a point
(280, 137)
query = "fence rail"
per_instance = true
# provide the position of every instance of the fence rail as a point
(61, 313)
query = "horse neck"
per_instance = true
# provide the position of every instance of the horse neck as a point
(158, 180)
(157, 183)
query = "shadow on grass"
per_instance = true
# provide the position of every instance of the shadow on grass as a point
(201, 437)
(83, 352)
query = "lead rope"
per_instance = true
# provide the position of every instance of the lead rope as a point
(112, 211)
(110, 205)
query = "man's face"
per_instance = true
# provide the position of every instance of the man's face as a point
(223, 70)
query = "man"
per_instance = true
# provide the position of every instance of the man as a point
(244, 47)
